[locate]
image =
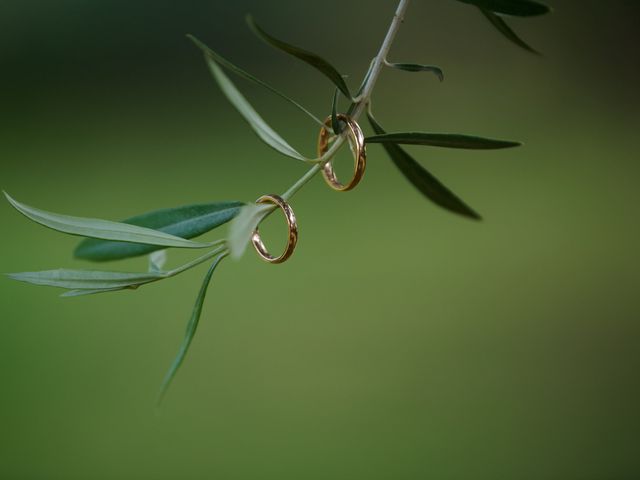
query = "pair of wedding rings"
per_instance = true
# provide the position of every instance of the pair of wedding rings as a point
(356, 137)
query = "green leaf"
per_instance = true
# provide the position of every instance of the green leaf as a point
(243, 225)
(104, 229)
(335, 123)
(503, 28)
(83, 292)
(240, 72)
(157, 260)
(264, 131)
(188, 221)
(192, 326)
(86, 279)
(415, 67)
(311, 58)
(446, 140)
(424, 181)
(517, 8)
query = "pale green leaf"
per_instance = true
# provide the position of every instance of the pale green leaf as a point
(262, 129)
(157, 260)
(103, 229)
(86, 279)
(83, 292)
(243, 225)
(242, 73)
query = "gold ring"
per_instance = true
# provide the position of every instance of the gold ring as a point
(291, 223)
(360, 153)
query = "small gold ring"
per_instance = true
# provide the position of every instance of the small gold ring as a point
(355, 133)
(258, 244)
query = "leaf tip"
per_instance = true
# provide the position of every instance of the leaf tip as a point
(9, 198)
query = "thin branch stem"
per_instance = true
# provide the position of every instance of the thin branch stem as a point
(362, 99)
(197, 261)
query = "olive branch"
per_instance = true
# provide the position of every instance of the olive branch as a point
(154, 232)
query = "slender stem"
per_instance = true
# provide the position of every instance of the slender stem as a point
(301, 182)
(197, 261)
(362, 99)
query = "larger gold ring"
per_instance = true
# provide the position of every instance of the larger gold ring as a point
(258, 244)
(360, 153)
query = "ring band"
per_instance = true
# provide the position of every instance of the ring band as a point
(258, 244)
(355, 132)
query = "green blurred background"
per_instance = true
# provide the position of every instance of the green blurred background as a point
(400, 342)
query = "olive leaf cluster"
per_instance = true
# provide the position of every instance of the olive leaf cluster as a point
(154, 232)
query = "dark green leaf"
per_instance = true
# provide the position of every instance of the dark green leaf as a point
(335, 123)
(506, 30)
(238, 71)
(311, 58)
(446, 140)
(422, 179)
(517, 8)
(186, 222)
(415, 67)
(192, 325)
(255, 121)
(103, 229)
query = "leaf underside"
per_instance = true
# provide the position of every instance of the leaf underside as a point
(243, 225)
(87, 279)
(255, 121)
(242, 73)
(420, 178)
(102, 229)
(308, 57)
(186, 222)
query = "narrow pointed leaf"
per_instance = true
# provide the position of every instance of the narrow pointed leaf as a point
(240, 72)
(311, 58)
(262, 129)
(84, 292)
(335, 123)
(188, 221)
(415, 67)
(424, 181)
(517, 8)
(498, 22)
(103, 229)
(445, 140)
(86, 279)
(243, 226)
(192, 326)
